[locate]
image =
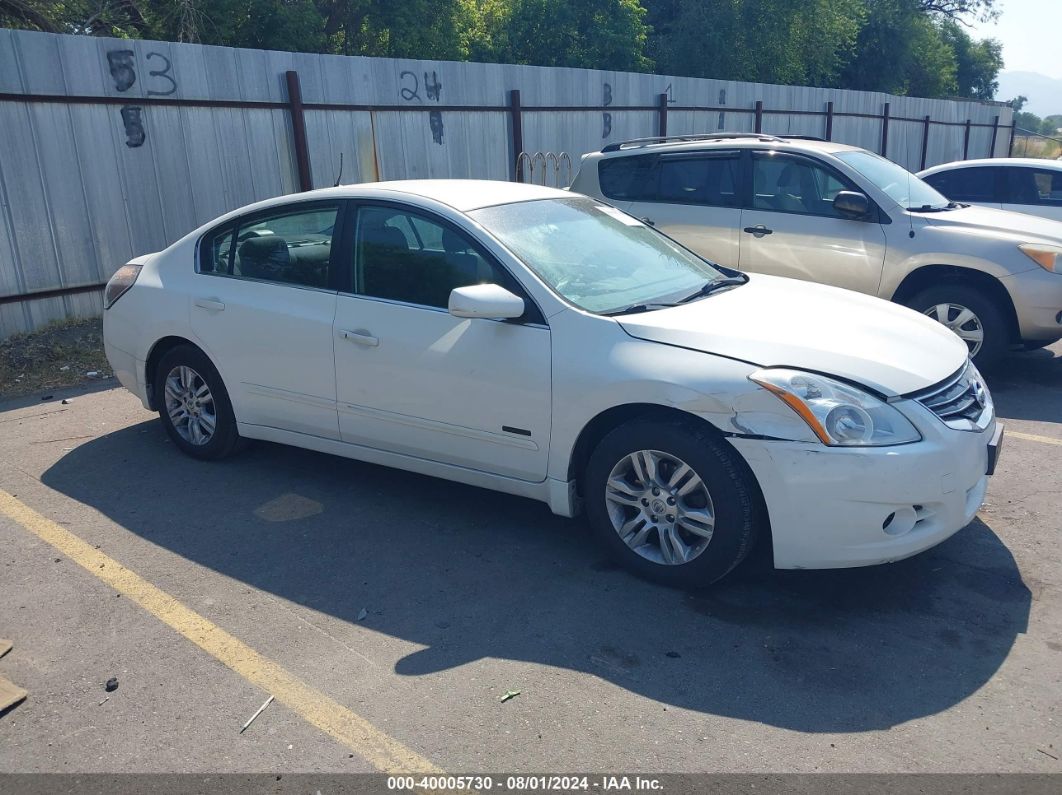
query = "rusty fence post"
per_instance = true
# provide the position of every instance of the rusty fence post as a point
(966, 141)
(829, 120)
(298, 131)
(885, 130)
(662, 111)
(759, 115)
(925, 142)
(518, 132)
(995, 132)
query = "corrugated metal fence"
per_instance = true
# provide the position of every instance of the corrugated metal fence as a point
(111, 148)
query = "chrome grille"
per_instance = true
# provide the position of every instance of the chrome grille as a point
(962, 401)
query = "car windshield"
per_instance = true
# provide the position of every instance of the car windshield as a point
(596, 256)
(900, 184)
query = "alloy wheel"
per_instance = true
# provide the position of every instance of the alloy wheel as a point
(190, 405)
(660, 507)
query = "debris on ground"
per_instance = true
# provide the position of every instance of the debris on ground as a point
(509, 694)
(261, 709)
(10, 694)
(105, 700)
(112, 684)
(66, 401)
(5, 646)
(362, 614)
(674, 655)
(92, 374)
(56, 356)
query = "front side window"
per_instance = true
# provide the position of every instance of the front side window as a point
(596, 256)
(794, 185)
(966, 184)
(1034, 186)
(286, 246)
(406, 257)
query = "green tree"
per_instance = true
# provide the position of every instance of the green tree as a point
(595, 34)
(778, 41)
(977, 62)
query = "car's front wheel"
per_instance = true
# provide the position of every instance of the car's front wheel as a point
(194, 404)
(671, 501)
(972, 314)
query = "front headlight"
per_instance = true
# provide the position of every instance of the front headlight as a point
(839, 414)
(1047, 257)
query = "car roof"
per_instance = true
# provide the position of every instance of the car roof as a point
(461, 194)
(712, 141)
(1030, 162)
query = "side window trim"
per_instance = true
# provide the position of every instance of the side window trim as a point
(875, 216)
(533, 315)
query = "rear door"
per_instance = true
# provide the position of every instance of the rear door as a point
(695, 198)
(262, 306)
(1034, 190)
(790, 227)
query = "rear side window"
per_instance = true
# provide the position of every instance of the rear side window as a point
(1034, 186)
(709, 181)
(966, 184)
(628, 178)
(290, 245)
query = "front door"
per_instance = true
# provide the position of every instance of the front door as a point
(415, 380)
(262, 305)
(790, 227)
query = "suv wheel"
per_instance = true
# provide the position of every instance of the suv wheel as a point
(671, 502)
(971, 314)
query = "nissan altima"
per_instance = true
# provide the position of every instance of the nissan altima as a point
(547, 345)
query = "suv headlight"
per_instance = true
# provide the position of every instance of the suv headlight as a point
(1047, 257)
(839, 414)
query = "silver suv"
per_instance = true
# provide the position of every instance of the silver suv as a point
(840, 215)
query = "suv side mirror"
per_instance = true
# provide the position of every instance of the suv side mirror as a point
(851, 203)
(489, 301)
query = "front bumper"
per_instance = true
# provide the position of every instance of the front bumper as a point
(835, 507)
(1037, 299)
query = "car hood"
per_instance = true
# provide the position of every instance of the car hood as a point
(991, 222)
(773, 321)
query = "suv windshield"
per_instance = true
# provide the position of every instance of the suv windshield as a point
(900, 184)
(598, 257)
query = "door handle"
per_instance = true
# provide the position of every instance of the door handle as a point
(759, 230)
(211, 304)
(649, 221)
(361, 337)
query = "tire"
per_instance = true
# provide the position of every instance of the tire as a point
(189, 363)
(987, 314)
(732, 501)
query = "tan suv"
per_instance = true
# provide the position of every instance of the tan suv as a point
(840, 215)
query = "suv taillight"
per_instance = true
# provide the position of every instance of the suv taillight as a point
(122, 280)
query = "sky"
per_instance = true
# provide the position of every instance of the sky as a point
(1030, 31)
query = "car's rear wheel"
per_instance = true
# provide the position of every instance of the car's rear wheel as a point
(972, 314)
(194, 405)
(671, 501)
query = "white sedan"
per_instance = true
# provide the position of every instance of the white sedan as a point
(544, 344)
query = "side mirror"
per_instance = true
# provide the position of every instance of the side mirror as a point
(485, 301)
(851, 203)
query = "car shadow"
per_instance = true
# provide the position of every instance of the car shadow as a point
(1028, 386)
(469, 573)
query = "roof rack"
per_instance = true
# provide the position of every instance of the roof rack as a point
(723, 136)
(660, 139)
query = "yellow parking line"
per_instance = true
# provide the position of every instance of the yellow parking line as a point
(380, 750)
(1032, 437)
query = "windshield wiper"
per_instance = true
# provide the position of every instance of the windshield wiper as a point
(710, 287)
(634, 309)
(929, 208)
